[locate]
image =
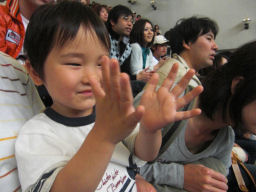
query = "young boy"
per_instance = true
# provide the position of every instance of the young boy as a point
(74, 146)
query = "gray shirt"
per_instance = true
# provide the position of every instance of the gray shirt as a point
(168, 168)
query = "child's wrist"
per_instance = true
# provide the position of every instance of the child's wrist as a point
(100, 135)
(145, 130)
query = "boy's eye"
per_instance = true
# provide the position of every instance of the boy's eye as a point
(99, 65)
(73, 64)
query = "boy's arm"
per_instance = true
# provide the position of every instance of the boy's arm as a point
(161, 108)
(115, 119)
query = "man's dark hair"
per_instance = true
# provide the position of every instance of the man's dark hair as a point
(188, 30)
(217, 95)
(52, 25)
(137, 33)
(117, 12)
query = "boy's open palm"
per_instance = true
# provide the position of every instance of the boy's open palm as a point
(116, 116)
(162, 105)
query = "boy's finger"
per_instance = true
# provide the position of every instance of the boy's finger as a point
(135, 117)
(115, 79)
(105, 63)
(189, 97)
(187, 114)
(181, 86)
(168, 82)
(152, 83)
(126, 97)
(96, 88)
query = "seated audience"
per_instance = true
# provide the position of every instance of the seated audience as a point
(142, 36)
(138, 17)
(75, 145)
(14, 18)
(159, 49)
(119, 25)
(157, 30)
(227, 103)
(102, 12)
(192, 41)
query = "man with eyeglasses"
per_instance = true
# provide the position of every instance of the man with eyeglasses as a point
(119, 24)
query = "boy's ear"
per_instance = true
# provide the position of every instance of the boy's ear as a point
(33, 74)
(234, 83)
(186, 45)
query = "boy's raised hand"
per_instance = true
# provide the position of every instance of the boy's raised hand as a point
(115, 112)
(162, 105)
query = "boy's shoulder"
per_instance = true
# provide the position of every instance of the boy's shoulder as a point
(37, 124)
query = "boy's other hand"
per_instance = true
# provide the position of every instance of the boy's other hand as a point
(162, 105)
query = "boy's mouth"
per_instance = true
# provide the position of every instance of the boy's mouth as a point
(87, 93)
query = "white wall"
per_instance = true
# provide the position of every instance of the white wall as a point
(227, 13)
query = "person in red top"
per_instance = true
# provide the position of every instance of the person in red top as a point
(14, 16)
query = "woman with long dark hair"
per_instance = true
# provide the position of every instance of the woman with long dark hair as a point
(142, 36)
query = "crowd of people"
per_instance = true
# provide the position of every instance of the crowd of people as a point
(95, 98)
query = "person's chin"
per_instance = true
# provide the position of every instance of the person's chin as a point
(209, 63)
(89, 104)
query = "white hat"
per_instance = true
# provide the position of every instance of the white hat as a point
(160, 39)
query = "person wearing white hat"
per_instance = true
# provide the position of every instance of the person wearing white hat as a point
(159, 49)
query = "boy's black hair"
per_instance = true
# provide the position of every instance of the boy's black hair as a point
(52, 25)
(137, 33)
(117, 12)
(188, 30)
(217, 95)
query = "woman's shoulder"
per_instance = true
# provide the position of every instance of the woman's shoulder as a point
(135, 46)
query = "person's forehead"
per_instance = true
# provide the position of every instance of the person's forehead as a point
(162, 45)
(147, 24)
(210, 33)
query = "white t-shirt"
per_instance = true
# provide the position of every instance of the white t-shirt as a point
(49, 140)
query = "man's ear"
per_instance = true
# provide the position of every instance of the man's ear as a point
(33, 74)
(234, 83)
(186, 45)
(112, 23)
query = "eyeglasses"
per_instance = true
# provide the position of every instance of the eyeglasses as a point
(128, 18)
